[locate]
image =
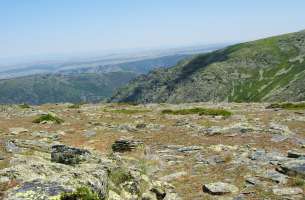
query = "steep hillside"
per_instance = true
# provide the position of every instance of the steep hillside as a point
(38, 89)
(271, 69)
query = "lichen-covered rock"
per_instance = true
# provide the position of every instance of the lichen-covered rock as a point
(39, 178)
(219, 188)
(293, 167)
(287, 191)
(68, 155)
(122, 145)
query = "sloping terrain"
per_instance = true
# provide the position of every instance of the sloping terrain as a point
(39, 89)
(153, 151)
(271, 69)
(91, 84)
(139, 67)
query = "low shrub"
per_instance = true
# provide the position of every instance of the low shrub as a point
(200, 111)
(289, 106)
(81, 193)
(24, 106)
(48, 117)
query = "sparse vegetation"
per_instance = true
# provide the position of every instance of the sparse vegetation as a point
(74, 106)
(200, 111)
(24, 106)
(49, 118)
(129, 111)
(297, 181)
(119, 175)
(81, 193)
(288, 106)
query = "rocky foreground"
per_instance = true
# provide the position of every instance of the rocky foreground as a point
(118, 151)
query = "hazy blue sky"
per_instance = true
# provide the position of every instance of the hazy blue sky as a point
(40, 27)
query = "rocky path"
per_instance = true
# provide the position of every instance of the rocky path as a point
(136, 152)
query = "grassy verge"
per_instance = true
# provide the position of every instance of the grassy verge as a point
(199, 111)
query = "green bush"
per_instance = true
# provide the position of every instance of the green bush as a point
(48, 117)
(200, 111)
(81, 193)
(289, 106)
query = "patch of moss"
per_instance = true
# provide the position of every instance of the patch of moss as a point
(200, 111)
(24, 106)
(48, 117)
(289, 106)
(81, 193)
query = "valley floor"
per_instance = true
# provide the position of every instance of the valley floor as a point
(256, 153)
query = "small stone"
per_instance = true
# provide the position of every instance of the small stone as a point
(113, 196)
(123, 145)
(18, 130)
(295, 154)
(141, 126)
(158, 191)
(89, 133)
(173, 176)
(287, 191)
(219, 188)
(293, 167)
(189, 149)
(11, 147)
(149, 196)
(279, 138)
(280, 129)
(253, 181)
(275, 177)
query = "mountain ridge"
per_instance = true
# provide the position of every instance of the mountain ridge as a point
(260, 70)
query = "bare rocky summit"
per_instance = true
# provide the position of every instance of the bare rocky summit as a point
(152, 152)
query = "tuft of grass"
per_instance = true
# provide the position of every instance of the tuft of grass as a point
(200, 111)
(24, 106)
(81, 193)
(119, 175)
(48, 117)
(288, 106)
(129, 111)
(297, 181)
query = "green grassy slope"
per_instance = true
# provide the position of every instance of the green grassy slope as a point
(38, 89)
(270, 69)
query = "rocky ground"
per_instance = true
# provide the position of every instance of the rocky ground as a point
(136, 152)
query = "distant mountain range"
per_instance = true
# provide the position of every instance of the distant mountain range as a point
(70, 82)
(271, 69)
(105, 63)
